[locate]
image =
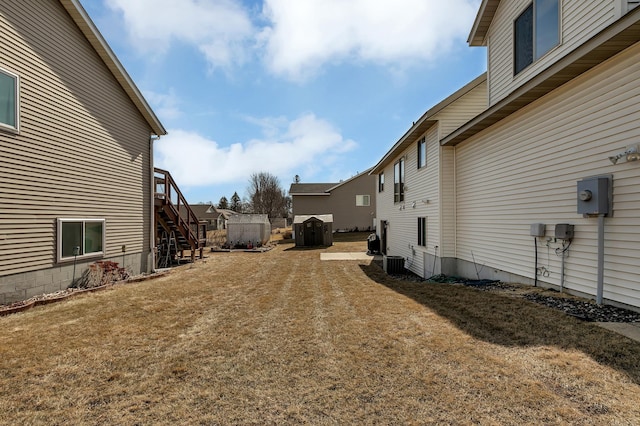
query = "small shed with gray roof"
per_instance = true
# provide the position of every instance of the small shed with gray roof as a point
(313, 230)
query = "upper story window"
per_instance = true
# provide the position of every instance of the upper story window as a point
(381, 182)
(398, 181)
(422, 152)
(536, 31)
(9, 100)
(363, 200)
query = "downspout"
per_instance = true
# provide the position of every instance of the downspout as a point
(152, 199)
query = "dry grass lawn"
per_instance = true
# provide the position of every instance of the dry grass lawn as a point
(283, 338)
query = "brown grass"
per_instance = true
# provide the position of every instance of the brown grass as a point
(281, 337)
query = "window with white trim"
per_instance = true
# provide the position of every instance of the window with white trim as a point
(80, 238)
(398, 181)
(9, 100)
(363, 200)
(536, 32)
(422, 152)
(381, 182)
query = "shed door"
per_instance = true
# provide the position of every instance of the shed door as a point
(313, 233)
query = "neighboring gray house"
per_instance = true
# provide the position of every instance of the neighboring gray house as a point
(76, 138)
(352, 202)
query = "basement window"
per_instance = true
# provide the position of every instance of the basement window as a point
(79, 238)
(9, 100)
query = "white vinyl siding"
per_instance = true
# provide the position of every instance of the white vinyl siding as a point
(580, 20)
(524, 170)
(83, 147)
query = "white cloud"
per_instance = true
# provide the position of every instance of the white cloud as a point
(165, 105)
(287, 148)
(218, 28)
(306, 34)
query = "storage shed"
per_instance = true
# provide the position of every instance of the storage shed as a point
(313, 230)
(248, 229)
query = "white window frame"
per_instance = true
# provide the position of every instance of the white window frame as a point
(398, 181)
(16, 79)
(363, 200)
(422, 149)
(535, 54)
(81, 254)
(381, 182)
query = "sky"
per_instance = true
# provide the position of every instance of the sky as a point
(321, 89)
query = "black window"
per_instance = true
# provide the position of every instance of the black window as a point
(381, 182)
(536, 31)
(422, 231)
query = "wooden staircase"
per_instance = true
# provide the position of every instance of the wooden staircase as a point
(177, 227)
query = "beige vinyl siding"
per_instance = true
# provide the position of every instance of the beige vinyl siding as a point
(447, 212)
(524, 170)
(83, 147)
(421, 185)
(580, 20)
(462, 110)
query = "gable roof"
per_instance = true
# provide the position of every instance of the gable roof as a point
(320, 188)
(422, 125)
(302, 218)
(90, 31)
(607, 43)
(204, 211)
(487, 11)
(310, 188)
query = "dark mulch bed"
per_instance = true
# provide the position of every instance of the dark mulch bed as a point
(576, 307)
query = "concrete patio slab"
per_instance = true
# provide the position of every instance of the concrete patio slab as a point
(348, 256)
(628, 329)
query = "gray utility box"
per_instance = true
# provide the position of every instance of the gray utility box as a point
(594, 195)
(537, 230)
(564, 231)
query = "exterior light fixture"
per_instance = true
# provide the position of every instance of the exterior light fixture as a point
(630, 154)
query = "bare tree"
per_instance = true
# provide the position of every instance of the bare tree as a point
(266, 196)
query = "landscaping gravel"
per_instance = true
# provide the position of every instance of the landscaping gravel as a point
(587, 311)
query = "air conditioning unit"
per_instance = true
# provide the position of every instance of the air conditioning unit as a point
(393, 265)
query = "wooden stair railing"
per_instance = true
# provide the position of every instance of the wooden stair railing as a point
(173, 213)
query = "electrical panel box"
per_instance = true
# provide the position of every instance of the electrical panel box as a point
(564, 231)
(537, 230)
(594, 195)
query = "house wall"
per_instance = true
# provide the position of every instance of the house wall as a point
(580, 21)
(524, 170)
(82, 152)
(421, 200)
(342, 204)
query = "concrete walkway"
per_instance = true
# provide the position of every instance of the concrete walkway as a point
(628, 329)
(348, 256)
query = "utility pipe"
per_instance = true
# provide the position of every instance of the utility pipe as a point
(535, 271)
(600, 286)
